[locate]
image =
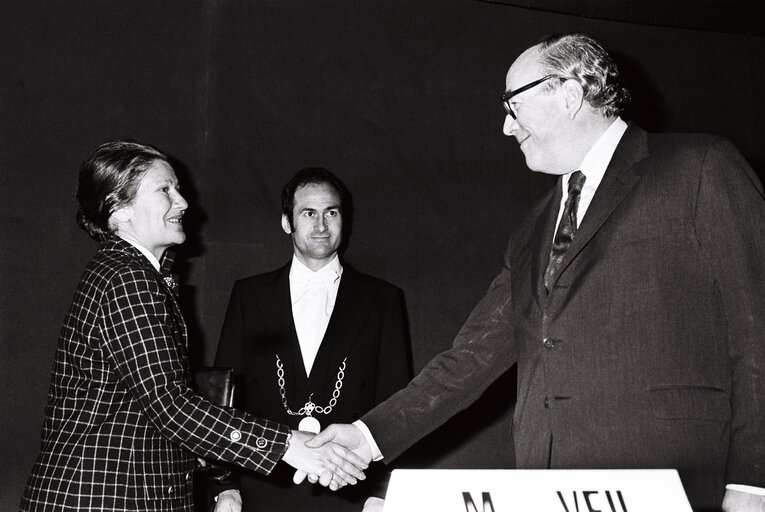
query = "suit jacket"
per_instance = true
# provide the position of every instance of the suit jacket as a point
(121, 422)
(367, 329)
(649, 350)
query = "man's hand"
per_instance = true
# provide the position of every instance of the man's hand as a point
(229, 501)
(348, 436)
(739, 501)
(333, 465)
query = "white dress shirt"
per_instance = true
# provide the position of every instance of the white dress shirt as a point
(313, 296)
(594, 168)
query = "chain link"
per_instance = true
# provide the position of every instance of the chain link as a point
(310, 407)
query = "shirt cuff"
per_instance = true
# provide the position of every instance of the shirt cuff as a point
(758, 491)
(376, 454)
(235, 491)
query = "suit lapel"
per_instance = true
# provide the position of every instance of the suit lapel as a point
(617, 182)
(276, 305)
(543, 236)
(348, 317)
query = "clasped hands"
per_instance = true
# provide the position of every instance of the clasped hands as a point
(334, 458)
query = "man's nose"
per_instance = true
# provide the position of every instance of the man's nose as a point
(321, 223)
(510, 124)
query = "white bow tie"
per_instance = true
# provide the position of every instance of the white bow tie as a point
(318, 283)
(320, 279)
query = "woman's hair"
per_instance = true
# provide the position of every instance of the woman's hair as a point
(109, 180)
(579, 57)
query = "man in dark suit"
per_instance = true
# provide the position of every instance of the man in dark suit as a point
(315, 341)
(632, 298)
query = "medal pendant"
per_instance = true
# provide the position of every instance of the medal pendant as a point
(310, 424)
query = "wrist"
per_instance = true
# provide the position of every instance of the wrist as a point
(233, 494)
(288, 444)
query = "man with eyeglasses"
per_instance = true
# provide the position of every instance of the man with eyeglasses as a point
(632, 298)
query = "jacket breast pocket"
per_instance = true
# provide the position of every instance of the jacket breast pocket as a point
(691, 403)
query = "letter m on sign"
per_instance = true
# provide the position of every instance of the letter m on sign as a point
(488, 506)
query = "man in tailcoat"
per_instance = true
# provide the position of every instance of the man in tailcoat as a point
(315, 342)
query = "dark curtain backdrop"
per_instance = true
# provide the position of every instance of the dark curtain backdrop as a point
(399, 98)
(734, 16)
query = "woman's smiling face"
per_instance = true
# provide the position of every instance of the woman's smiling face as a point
(154, 219)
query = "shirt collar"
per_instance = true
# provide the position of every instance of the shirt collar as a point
(149, 256)
(599, 156)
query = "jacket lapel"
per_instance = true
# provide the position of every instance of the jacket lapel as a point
(617, 183)
(543, 236)
(276, 305)
(179, 325)
(348, 317)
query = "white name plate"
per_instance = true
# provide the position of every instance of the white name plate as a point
(501, 490)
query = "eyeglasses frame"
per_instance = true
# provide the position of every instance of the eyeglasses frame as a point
(509, 94)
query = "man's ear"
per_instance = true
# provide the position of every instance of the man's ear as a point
(286, 224)
(574, 95)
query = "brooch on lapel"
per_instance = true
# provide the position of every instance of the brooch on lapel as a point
(172, 283)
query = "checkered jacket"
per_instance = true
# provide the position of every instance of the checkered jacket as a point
(121, 424)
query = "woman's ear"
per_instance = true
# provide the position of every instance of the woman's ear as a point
(121, 215)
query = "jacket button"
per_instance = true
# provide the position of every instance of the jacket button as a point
(171, 490)
(548, 342)
(261, 442)
(547, 404)
(235, 435)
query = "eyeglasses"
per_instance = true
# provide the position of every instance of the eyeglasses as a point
(507, 95)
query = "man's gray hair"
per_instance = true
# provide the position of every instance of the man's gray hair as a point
(579, 57)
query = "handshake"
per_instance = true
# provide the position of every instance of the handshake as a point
(335, 457)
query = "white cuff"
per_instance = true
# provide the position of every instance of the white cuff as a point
(376, 454)
(227, 490)
(758, 491)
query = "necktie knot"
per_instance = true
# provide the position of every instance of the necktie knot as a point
(576, 182)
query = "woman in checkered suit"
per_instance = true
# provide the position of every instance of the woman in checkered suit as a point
(121, 424)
